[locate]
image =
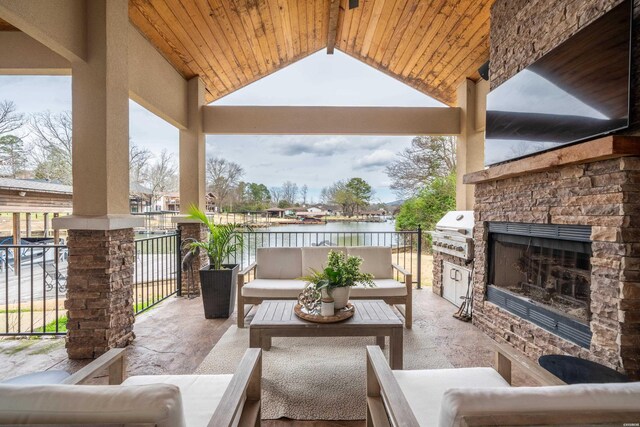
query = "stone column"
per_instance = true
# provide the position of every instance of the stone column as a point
(192, 176)
(101, 250)
(470, 143)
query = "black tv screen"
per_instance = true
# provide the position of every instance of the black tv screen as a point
(577, 91)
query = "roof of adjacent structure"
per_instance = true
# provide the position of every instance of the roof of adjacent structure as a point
(34, 185)
(431, 45)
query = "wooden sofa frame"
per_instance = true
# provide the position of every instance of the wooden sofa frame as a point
(406, 300)
(242, 396)
(387, 405)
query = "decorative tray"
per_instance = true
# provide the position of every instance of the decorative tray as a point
(339, 316)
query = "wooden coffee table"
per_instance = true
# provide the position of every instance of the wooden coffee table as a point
(372, 318)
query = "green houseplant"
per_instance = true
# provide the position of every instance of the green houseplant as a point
(336, 279)
(218, 280)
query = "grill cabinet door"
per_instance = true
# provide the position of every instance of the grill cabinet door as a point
(455, 280)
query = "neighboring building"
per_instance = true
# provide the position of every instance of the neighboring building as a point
(139, 198)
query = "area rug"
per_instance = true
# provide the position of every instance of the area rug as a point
(316, 378)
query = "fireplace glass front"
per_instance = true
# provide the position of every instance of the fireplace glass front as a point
(549, 272)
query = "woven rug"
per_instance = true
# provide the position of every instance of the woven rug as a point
(316, 378)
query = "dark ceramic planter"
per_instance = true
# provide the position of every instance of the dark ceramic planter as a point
(219, 291)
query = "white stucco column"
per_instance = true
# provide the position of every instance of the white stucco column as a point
(101, 237)
(192, 150)
(470, 143)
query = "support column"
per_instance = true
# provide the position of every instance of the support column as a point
(28, 223)
(193, 183)
(16, 241)
(45, 218)
(101, 249)
(470, 143)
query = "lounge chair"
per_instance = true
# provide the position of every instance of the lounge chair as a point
(156, 400)
(484, 397)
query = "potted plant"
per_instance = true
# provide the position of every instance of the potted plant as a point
(218, 280)
(336, 279)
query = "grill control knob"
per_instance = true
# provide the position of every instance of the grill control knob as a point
(459, 248)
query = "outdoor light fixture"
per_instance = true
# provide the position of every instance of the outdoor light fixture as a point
(353, 4)
(22, 193)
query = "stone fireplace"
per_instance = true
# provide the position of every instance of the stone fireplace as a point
(566, 275)
(557, 248)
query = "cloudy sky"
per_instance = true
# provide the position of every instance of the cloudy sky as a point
(316, 161)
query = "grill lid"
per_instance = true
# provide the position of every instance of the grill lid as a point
(458, 221)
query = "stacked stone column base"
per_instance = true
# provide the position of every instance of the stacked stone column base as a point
(198, 232)
(100, 291)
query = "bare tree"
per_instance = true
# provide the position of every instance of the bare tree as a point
(52, 139)
(276, 194)
(9, 119)
(162, 175)
(289, 191)
(223, 177)
(139, 159)
(304, 190)
(428, 157)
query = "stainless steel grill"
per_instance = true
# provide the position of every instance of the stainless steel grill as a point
(454, 234)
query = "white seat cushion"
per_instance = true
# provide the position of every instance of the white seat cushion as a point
(383, 288)
(273, 288)
(376, 260)
(424, 389)
(157, 404)
(278, 263)
(201, 394)
(315, 258)
(566, 401)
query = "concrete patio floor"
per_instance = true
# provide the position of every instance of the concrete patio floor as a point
(174, 338)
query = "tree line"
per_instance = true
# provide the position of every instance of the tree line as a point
(40, 146)
(225, 183)
(425, 176)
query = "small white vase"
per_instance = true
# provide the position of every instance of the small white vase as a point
(340, 297)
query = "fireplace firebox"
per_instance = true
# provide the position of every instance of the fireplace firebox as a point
(542, 273)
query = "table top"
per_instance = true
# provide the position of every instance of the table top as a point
(573, 370)
(279, 313)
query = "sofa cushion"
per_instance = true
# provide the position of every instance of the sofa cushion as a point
(566, 401)
(315, 258)
(273, 288)
(201, 394)
(424, 389)
(383, 288)
(159, 404)
(278, 263)
(376, 260)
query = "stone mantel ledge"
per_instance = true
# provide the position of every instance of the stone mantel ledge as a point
(97, 223)
(604, 148)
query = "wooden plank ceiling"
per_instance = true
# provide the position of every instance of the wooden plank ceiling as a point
(431, 45)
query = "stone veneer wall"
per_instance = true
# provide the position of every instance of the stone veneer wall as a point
(604, 195)
(522, 31)
(438, 259)
(199, 232)
(100, 293)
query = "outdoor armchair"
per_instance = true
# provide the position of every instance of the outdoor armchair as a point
(153, 400)
(484, 396)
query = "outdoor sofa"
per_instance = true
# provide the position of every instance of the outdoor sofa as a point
(147, 400)
(484, 396)
(277, 273)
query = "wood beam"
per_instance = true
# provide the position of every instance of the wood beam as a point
(241, 120)
(58, 24)
(21, 54)
(332, 32)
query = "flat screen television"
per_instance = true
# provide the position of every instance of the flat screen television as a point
(577, 91)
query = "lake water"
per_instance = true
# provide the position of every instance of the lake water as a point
(336, 227)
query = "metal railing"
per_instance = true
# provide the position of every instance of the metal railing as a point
(156, 271)
(406, 246)
(33, 287)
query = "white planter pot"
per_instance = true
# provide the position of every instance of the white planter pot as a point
(340, 297)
